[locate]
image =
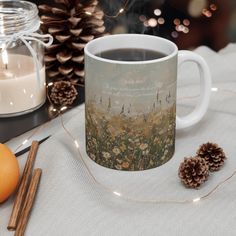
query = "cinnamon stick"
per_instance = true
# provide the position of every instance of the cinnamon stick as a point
(29, 200)
(20, 196)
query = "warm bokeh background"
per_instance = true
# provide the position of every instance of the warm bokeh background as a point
(189, 23)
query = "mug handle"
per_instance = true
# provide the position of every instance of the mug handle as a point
(205, 89)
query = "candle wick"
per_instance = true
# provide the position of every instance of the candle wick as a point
(6, 66)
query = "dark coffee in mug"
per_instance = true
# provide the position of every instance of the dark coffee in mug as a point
(130, 54)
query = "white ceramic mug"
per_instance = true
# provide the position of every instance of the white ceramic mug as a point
(131, 105)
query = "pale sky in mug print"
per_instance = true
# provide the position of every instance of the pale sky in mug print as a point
(135, 86)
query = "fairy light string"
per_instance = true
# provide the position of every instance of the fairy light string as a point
(115, 192)
(59, 112)
(40, 128)
(80, 155)
(31, 136)
(138, 200)
(119, 12)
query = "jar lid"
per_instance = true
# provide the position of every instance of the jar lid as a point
(16, 16)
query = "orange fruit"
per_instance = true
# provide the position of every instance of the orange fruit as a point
(9, 172)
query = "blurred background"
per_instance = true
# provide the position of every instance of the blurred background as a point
(188, 23)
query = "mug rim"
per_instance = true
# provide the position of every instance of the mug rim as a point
(97, 40)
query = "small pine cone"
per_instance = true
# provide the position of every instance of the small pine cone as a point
(213, 154)
(63, 93)
(193, 171)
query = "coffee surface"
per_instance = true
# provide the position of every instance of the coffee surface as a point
(130, 54)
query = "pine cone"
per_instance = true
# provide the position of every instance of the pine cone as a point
(193, 171)
(213, 154)
(72, 23)
(63, 93)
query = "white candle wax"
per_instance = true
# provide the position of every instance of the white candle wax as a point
(20, 90)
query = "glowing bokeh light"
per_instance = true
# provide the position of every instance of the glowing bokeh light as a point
(186, 22)
(152, 22)
(213, 7)
(206, 13)
(161, 21)
(174, 34)
(145, 23)
(176, 21)
(142, 18)
(157, 12)
(186, 30)
(181, 27)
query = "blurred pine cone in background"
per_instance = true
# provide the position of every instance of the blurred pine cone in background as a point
(72, 24)
(63, 93)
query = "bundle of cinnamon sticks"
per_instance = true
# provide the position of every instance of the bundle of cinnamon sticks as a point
(26, 193)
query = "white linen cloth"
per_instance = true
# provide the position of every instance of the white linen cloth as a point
(70, 203)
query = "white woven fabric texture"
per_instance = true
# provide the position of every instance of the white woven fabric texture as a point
(69, 203)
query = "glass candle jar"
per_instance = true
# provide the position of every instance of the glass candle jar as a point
(22, 69)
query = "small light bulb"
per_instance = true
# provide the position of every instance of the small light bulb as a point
(197, 199)
(161, 20)
(63, 108)
(88, 13)
(50, 84)
(4, 56)
(76, 144)
(25, 142)
(157, 12)
(117, 194)
(214, 89)
(121, 10)
(152, 22)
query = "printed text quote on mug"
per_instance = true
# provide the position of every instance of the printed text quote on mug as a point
(130, 100)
